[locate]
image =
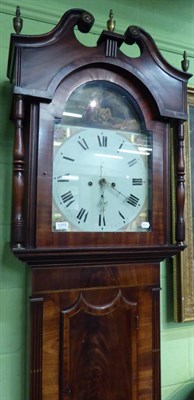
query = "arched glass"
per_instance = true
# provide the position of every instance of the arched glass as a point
(102, 162)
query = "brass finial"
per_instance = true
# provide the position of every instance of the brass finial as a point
(185, 62)
(17, 21)
(111, 23)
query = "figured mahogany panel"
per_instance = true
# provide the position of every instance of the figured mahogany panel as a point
(100, 343)
(98, 360)
(47, 279)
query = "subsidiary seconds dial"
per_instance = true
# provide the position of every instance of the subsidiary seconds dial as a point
(100, 180)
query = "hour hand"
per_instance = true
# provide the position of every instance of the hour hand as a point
(112, 185)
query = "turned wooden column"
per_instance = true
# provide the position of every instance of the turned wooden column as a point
(18, 175)
(180, 184)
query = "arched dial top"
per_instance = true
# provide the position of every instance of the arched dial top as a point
(101, 166)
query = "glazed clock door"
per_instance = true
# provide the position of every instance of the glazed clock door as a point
(99, 178)
(101, 163)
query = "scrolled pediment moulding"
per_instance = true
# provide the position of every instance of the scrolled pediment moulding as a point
(51, 16)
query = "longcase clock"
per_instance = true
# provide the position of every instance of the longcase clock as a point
(91, 213)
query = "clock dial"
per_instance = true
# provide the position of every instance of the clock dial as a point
(100, 181)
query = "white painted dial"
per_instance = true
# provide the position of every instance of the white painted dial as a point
(100, 180)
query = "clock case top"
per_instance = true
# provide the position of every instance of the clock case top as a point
(38, 66)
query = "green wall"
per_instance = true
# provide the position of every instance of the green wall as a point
(171, 23)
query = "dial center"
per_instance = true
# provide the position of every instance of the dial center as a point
(102, 181)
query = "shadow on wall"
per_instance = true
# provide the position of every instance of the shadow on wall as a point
(191, 395)
(184, 393)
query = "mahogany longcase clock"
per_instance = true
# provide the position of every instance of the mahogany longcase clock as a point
(92, 205)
